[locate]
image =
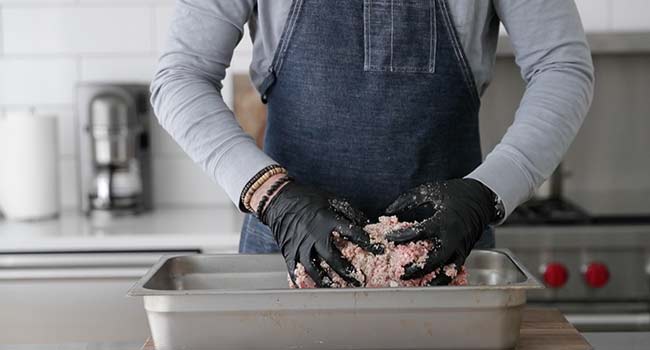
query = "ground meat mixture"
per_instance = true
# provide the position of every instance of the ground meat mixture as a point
(378, 271)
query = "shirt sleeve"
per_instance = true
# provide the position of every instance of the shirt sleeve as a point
(186, 91)
(555, 61)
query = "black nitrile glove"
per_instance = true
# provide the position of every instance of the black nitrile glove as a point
(302, 220)
(462, 210)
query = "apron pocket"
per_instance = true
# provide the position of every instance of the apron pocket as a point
(400, 35)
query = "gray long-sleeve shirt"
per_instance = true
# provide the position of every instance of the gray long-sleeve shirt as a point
(549, 44)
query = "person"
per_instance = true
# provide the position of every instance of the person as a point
(373, 109)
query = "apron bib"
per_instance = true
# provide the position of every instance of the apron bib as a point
(367, 99)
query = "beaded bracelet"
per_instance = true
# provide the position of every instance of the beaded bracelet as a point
(259, 183)
(242, 204)
(256, 182)
(274, 187)
(255, 178)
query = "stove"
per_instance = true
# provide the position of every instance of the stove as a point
(549, 212)
(594, 261)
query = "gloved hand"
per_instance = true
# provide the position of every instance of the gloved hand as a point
(302, 220)
(462, 210)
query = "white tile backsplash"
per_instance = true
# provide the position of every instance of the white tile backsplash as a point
(68, 182)
(71, 30)
(36, 2)
(113, 2)
(37, 81)
(162, 18)
(1, 39)
(96, 2)
(631, 15)
(595, 14)
(118, 68)
(48, 46)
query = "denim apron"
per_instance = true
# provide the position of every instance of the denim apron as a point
(367, 99)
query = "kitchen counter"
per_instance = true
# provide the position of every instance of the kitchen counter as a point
(215, 230)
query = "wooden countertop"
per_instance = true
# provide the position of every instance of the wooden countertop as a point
(541, 329)
(545, 329)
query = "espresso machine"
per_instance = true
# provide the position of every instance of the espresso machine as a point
(114, 152)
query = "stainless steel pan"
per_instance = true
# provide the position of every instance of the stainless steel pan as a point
(243, 302)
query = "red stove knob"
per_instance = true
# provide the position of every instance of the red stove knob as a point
(555, 275)
(596, 275)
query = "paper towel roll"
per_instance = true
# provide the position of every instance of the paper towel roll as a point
(30, 181)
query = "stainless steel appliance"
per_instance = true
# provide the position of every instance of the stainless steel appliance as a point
(72, 297)
(593, 254)
(186, 296)
(114, 148)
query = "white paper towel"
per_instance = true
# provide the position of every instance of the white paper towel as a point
(29, 184)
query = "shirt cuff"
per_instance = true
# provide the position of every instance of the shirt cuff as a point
(240, 164)
(506, 179)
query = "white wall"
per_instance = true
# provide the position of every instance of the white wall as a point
(47, 46)
(613, 15)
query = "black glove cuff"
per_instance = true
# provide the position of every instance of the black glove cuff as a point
(488, 200)
(268, 214)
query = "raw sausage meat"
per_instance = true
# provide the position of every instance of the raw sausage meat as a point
(384, 270)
